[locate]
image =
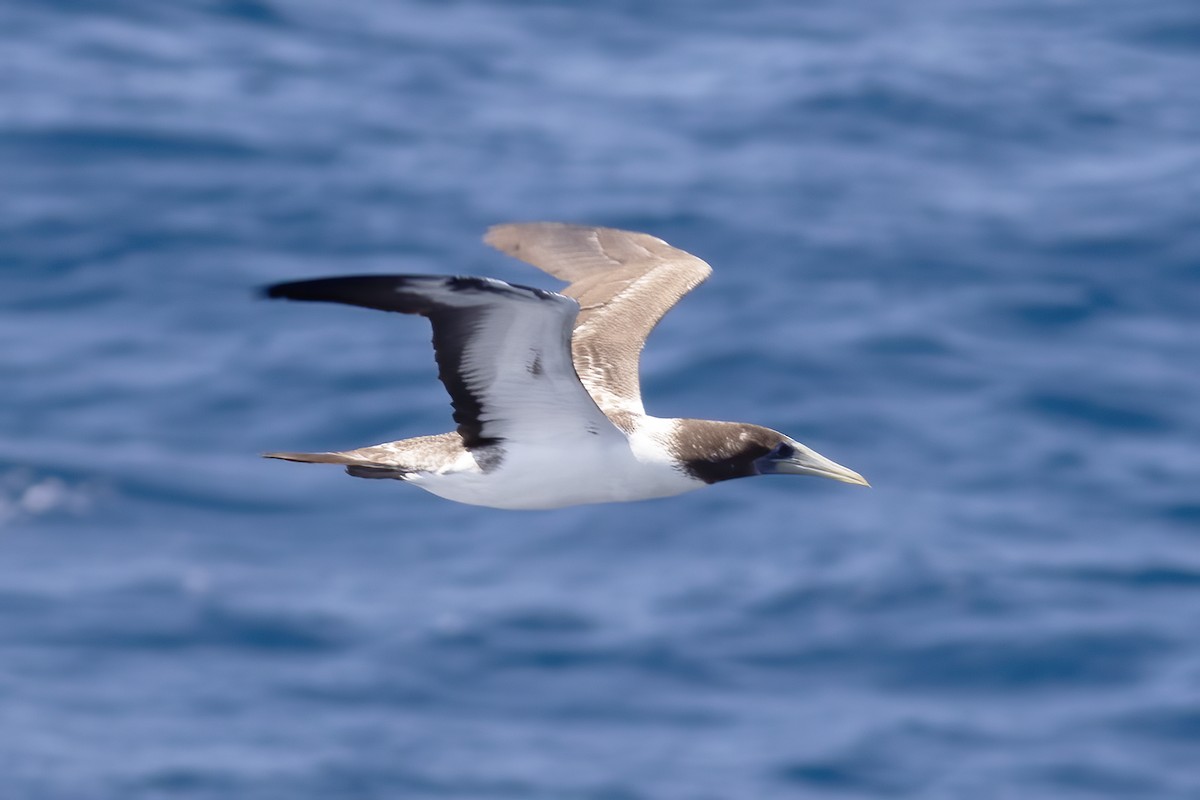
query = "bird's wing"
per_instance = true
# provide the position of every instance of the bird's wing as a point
(624, 283)
(503, 351)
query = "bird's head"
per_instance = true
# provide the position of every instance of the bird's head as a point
(718, 451)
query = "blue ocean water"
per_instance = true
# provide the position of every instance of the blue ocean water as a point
(956, 248)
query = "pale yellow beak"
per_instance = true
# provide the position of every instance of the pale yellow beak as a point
(806, 461)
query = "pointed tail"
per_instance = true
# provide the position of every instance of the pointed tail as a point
(358, 467)
(319, 458)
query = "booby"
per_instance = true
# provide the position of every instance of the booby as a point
(545, 386)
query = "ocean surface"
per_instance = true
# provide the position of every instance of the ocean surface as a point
(956, 248)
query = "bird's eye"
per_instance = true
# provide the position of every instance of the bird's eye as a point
(784, 450)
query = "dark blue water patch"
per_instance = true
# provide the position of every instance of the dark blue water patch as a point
(394, 691)
(683, 382)
(590, 699)
(879, 764)
(1176, 725)
(69, 295)
(1187, 514)
(913, 345)
(613, 793)
(1071, 662)
(22, 603)
(506, 651)
(50, 251)
(159, 617)
(223, 628)
(1180, 35)
(1099, 413)
(188, 782)
(1014, 664)
(269, 631)
(1051, 310)
(623, 711)
(536, 621)
(917, 591)
(1086, 779)
(1136, 578)
(1110, 248)
(914, 362)
(875, 109)
(165, 492)
(850, 774)
(650, 659)
(353, 779)
(86, 144)
(254, 11)
(68, 8)
(328, 778)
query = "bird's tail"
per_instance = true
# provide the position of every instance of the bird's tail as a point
(355, 465)
(316, 458)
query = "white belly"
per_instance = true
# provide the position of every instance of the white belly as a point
(590, 469)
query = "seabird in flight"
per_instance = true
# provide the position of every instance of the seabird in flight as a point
(545, 385)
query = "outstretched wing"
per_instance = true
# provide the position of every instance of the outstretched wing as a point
(503, 351)
(624, 283)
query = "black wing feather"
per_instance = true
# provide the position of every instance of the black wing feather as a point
(453, 325)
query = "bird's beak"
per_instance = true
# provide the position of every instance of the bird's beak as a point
(809, 462)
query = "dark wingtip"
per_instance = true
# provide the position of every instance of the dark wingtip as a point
(298, 290)
(407, 294)
(352, 289)
(383, 292)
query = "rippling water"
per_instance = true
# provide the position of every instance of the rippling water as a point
(956, 249)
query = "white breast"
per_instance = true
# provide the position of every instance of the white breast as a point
(582, 469)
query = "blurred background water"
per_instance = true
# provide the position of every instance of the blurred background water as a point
(956, 248)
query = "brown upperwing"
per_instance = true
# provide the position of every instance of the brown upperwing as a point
(624, 283)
